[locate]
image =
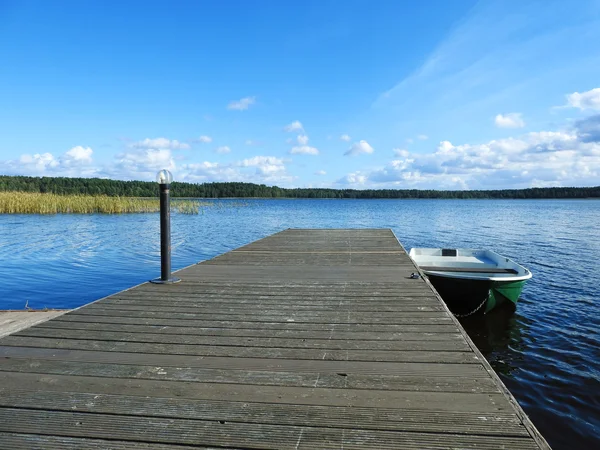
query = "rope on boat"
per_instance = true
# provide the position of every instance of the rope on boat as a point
(472, 312)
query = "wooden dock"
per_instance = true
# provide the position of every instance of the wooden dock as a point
(312, 339)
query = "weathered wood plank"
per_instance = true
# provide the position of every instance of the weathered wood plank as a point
(259, 283)
(407, 325)
(271, 310)
(310, 298)
(341, 380)
(344, 292)
(416, 400)
(423, 317)
(332, 334)
(271, 413)
(162, 303)
(343, 315)
(244, 352)
(225, 433)
(264, 364)
(270, 342)
(247, 303)
(25, 441)
(315, 246)
(309, 273)
(322, 259)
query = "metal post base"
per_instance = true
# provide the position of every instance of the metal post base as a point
(171, 280)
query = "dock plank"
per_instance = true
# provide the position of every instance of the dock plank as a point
(192, 305)
(333, 334)
(303, 339)
(48, 442)
(234, 341)
(261, 393)
(272, 413)
(232, 434)
(265, 364)
(402, 324)
(339, 380)
(243, 351)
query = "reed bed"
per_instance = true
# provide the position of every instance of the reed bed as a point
(37, 203)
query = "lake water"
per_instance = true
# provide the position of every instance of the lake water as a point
(547, 353)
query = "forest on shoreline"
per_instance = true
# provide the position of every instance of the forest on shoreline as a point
(118, 188)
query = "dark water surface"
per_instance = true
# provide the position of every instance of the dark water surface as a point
(547, 353)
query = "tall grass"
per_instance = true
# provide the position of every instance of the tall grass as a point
(36, 203)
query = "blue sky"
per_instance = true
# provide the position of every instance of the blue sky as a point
(359, 94)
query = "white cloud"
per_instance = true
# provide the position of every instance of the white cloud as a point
(38, 162)
(75, 162)
(260, 160)
(208, 171)
(258, 169)
(204, 139)
(422, 137)
(345, 138)
(302, 139)
(511, 120)
(265, 165)
(401, 152)
(203, 165)
(160, 143)
(78, 155)
(223, 149)
(445, 147)
(567, 157)
(546, 158)
(585, 100)
(242, 104)
(141, 164)
(356, 178)
(304, 150)
(359, 147)
(296, 125)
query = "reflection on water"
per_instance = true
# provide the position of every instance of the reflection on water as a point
(547, 352)
(495, 334)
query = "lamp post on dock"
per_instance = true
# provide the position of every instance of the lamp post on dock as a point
(164, 178)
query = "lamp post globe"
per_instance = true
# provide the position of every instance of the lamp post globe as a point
(164, 177)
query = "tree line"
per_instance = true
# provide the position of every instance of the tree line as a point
(113, 188)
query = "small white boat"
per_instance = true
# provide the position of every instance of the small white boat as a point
(469, 280)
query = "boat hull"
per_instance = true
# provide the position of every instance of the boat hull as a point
(463, 296)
